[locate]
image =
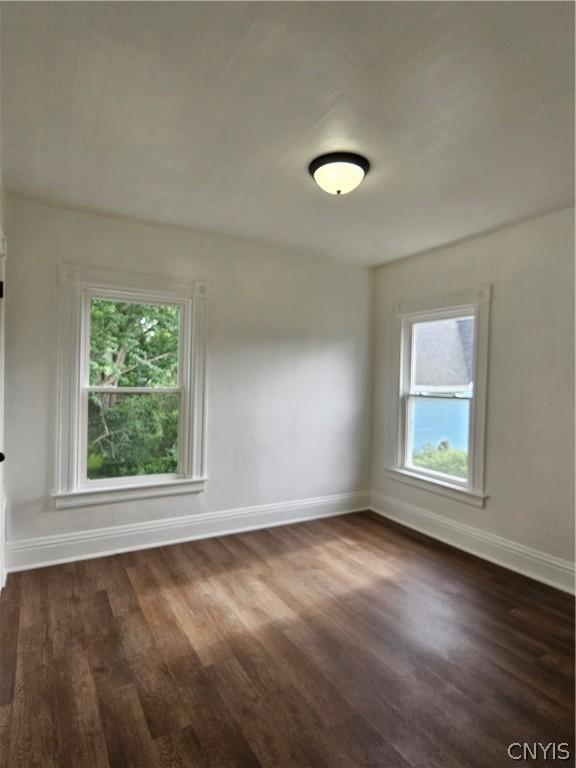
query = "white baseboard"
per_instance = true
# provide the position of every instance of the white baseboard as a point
(533, 563)
(44, 551)
(39, 552)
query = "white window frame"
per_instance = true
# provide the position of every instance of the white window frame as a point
(78, 287)
(474, 304)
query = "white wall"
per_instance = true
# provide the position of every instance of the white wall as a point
(288, 365)
(291, 340)
(530, 426)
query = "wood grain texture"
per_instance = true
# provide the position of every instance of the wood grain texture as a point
(345, 643)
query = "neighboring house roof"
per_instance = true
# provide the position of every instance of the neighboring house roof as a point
(444, 352)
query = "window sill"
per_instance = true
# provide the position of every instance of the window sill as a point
(441, 487)
(88, 497)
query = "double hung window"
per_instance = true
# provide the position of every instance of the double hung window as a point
(441, 387)
(131, 389)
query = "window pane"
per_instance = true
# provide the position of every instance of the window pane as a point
(443, 355)
(133, 345)
(439, 435)
(132, 434)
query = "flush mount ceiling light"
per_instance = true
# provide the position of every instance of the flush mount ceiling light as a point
(338, 172)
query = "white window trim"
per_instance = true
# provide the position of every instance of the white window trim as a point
(78, 286)
(477, 304)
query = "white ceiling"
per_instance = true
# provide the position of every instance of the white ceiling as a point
(207, 114)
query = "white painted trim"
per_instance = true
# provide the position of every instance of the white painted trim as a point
(108, 495)
(417, 480)
(537, 565)
(25, 554)
(477, 303)
(446, 301)
(78, 286)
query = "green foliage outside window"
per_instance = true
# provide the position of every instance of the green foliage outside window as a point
(133, 345)
(442, 458)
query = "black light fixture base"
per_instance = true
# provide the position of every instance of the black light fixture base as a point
(339, 157)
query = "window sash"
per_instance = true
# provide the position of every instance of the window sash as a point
(130, 479)
(452, 314)
(127, 298)
(135, 390)
(441, 395)
(407, 418)
(182, 390)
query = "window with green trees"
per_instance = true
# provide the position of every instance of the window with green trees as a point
(134, 395)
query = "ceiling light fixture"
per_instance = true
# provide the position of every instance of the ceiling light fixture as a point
(338, 172)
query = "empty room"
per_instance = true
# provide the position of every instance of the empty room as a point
(286, 384)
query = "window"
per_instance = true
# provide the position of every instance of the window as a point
(131, 406)
(134, 389)
(441, 383)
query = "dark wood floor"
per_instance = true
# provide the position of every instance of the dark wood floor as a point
(332, 644)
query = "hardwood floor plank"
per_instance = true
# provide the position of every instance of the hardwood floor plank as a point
(114, 580)
(65, 617)
(169, 637)
(160, 699)
(221, 743)
(108, 665)
(181, 750)
(128, 741)
(79, 728)
(5, 729)
(9, 622)
(189, 598)
(33, 736)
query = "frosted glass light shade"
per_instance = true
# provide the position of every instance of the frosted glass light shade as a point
(339, 172)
